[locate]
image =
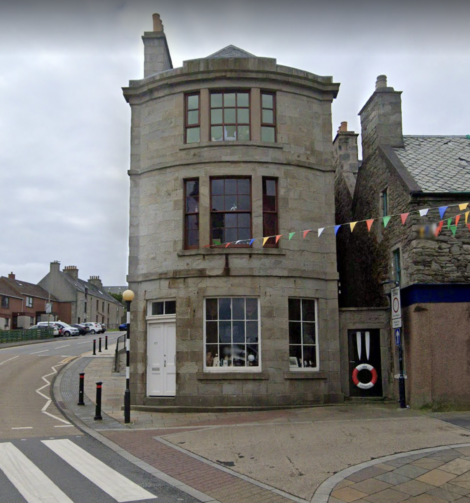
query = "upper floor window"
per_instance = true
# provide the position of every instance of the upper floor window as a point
(5, 302)
(230, 116)
(29, 302)
(397, 265)
(385, 203)
(230, 209)
(268, 117)
(191, 217)
(270, 209)
(192, 119)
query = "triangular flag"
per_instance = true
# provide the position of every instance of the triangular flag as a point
(369, 223)
(442, 210)
(439, 228)
(239, 241)
(265, 239)
(227, 245)
(337, 229)
(457, 218)
(278, 238)
(251, 241)
(449, 221)
(352, 225)
(463, 206)
(306, 232)
(291, 234)
(453, 228)
(386, 220)
(424, 212)
(320, 231)
(404, 216)
(466, 216)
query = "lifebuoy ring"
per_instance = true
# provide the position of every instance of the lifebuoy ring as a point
(371, 369)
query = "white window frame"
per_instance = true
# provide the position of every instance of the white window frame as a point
(29, 301)
(233, 370)
(160, 317)
(317, 342)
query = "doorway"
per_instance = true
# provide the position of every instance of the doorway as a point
(161, 358)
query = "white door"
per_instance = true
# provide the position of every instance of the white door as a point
(161, 358)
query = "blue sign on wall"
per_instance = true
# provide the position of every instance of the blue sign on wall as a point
(398, 336)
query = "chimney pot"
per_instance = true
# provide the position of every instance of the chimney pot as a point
(157, 23)
(11, 276)
(344, 127)
(381, 82)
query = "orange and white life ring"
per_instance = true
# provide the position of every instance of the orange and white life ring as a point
(371, 369)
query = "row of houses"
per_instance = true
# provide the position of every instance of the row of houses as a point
(262, 253)
(60, 295)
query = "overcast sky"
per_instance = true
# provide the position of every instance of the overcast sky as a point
(64, 125)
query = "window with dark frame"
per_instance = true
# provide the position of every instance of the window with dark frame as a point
(385, 203)
(192, 118)
(5, 302)
(397, 265)
(303, 344)
(270, 211)
(84, 307)
(230, 115)
(230, 210)
(191, 217)
(97, 306)
(232, 334)
(163, 308)
(268, 117)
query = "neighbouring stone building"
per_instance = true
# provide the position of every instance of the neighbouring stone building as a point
(401, 175)
(225, 149)
(87, 300)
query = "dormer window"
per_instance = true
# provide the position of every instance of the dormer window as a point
(230, 115)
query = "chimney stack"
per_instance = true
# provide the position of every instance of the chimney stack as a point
(156, 53)
(55, 266)
(72, 271)
(11, 276)
(95, 280)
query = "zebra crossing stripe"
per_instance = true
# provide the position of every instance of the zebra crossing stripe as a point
(29, 480)
(108, 480)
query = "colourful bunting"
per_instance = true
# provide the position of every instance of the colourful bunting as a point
(457, 218)
(463, 206)
(337, 229)
(291, 235)
(352, 225)
(439, 228)
(466, 217)
(320, 231)
(386, 220)
(369, 224)
(442, 210)
(424, 212)
(227, 245)
(449, 221)
(251, 241)
(453, 228)
(264, 240)
(278, 238)
(306, 232)
(404, 216)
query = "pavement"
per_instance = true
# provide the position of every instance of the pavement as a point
(353, 452)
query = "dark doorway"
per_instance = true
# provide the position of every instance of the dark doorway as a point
(14, 322)
(365, 369)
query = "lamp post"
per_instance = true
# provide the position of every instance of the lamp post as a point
(128, 296)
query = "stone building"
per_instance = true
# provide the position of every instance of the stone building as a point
(398, 176)
(225, 149)
(87, 300)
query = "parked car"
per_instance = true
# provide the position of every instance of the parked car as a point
(94, 328)
(64, 328)
(83, 329)
(103, 327)
(55, 329)
(123, 326)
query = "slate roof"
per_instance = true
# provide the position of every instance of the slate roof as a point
(7, 291)
(437, 163)
(231, 51)
(80, 285)
(28, 289)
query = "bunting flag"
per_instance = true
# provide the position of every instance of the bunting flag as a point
(466, 217)
(251, 241)
(278, 238)
(306, 232)
(404, 216)
(442, 210)
(424, 212)
(369, 224)
(337, 229)
(453, 228)
(320, 231)
(227, 245)
(352, 225)
(468, 225)
(291, 235)
(264, 240)
(463, 206)
(439, 228)
(449, 221)
(457, 218)
(386, 220)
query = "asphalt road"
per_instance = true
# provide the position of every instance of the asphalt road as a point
(46, 459)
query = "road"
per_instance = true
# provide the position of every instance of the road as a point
(46, 459)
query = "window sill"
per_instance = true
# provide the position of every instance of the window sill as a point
(262, 144)
(302, 374)
(230, 251)
(232, 376)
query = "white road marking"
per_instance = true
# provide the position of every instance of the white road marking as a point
(9, 359)
(37, 352)
(23, 428)
(64, 426)
(110, 481)
(60, 347)
(38, 391)
(29, 480)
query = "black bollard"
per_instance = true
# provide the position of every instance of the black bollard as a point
(80, 389)
(98, 401)
(106, 343)
(94, 347)
(99, 346)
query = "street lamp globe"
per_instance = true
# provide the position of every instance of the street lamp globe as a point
(128, 295)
